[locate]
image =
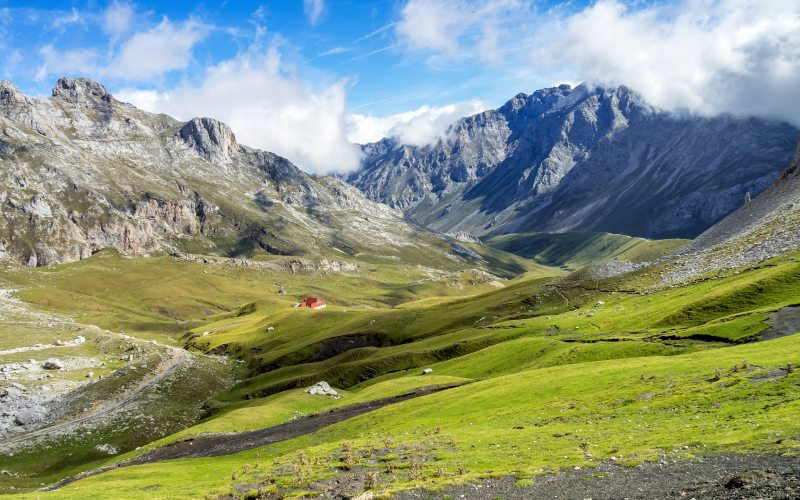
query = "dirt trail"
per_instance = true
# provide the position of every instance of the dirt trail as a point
(226, 444)
(41, 347)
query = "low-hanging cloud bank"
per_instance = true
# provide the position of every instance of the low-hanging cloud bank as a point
(705, 56)
(419, 127)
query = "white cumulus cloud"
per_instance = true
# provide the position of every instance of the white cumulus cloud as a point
(166, 47)
(266, 107)
(707, 56)
(418, 127)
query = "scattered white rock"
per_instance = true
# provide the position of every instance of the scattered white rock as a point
(427, 371)
(106, 448)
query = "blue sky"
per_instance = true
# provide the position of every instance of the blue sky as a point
(307, 78)
(355, 40)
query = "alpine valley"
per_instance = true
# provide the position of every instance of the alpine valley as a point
(575, 295)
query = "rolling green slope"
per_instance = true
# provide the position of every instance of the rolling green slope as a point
(522, 424)
(573, 250)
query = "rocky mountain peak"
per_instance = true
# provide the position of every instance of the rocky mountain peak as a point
(75, 90)
(9, 92)
(213, 139)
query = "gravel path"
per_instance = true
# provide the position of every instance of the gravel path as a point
(714, 477)
(785, 321)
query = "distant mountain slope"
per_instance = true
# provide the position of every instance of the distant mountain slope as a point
(582, 159)
(81, 171)
(575, 250)
(760, 229)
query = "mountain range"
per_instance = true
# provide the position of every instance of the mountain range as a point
(579, 159)
(81, 171)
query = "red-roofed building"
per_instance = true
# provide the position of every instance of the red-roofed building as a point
(312, 302)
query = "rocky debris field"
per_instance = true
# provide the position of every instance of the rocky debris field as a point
(720, 477)
(34, 394)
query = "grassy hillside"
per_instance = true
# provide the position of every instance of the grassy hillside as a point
(565, 371)
(739, 398)
(573, 250)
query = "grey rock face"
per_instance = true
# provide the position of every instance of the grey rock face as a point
(211, 138)
(75, 90)
(589, 159)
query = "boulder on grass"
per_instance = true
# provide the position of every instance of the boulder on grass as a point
(324, 389)
(52, 364)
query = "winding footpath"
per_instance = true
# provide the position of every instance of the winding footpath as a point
(226, 444)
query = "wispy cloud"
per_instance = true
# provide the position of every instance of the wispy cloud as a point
(382, 29)
(313, 10)
(166, 47)
(463, 28)
(117, 18)
(334, 51)
(373, 52)
(67, 19)
(144, 55)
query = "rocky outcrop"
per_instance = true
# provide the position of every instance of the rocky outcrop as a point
(211, 138)
(77, 90)
(323, 389)
(588, 159)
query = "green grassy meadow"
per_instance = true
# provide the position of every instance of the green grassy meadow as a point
(563, 370)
